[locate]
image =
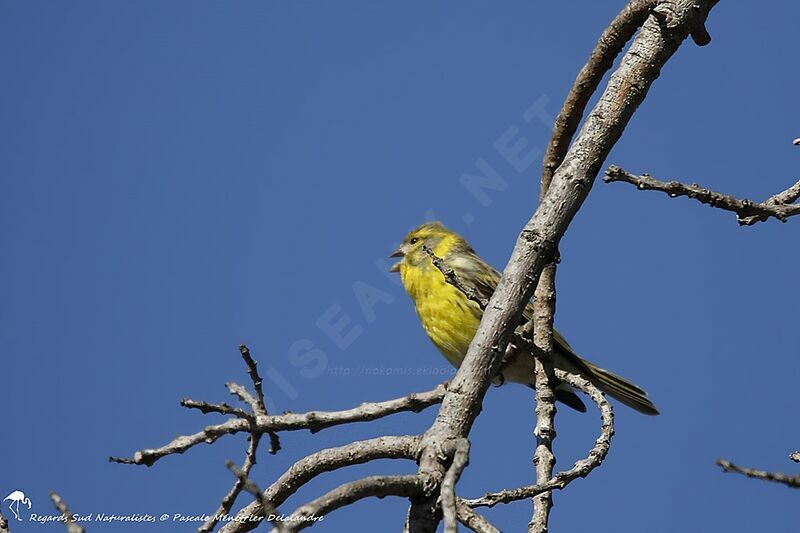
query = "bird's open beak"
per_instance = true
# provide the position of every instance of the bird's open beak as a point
(397, 253)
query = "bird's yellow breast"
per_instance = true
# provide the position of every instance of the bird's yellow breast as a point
(448, 317)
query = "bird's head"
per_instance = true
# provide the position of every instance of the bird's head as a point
(431, 235)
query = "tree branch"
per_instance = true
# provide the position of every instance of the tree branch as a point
(608, 47)
(581, 468)
(247, 484)
(777, 477)
(747, 212)
(241, 483)
(473, 520)
(452, 278)
(69, 518)
(307, 468)
(568, 174)
(537, 243)
(460, 454)
(373, 486)
(313, 421)
(544, 459)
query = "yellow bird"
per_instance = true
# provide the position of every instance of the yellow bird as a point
(451, 319)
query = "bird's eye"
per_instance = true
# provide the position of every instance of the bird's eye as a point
(414, 240)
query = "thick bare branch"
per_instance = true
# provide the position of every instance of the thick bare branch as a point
(306, 469)
(537, 243)
(777, 477)
(313, 421)
(69, 518)
(748, 212)
(581, 468)
(373, 486)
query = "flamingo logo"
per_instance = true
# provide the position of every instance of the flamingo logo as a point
(16, 498)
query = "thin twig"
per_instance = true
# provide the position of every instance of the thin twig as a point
(270, 511)
(180, 444)
(452, 278)
(747, 212)
(221, 408)
(243, 394)
(241, 480)
(69, 518)
(313, 421)
(252, 370)
(259, 408)
(777, 477)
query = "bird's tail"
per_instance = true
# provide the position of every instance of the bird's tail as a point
(621, 389)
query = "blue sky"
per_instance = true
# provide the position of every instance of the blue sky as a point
(179, 177)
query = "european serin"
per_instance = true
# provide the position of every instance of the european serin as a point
(451, 319)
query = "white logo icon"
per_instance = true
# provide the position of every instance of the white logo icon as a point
(16, 498)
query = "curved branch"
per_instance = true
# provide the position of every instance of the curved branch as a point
(377, 486)
(581, 468)
(309, 467)
(608, 47)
